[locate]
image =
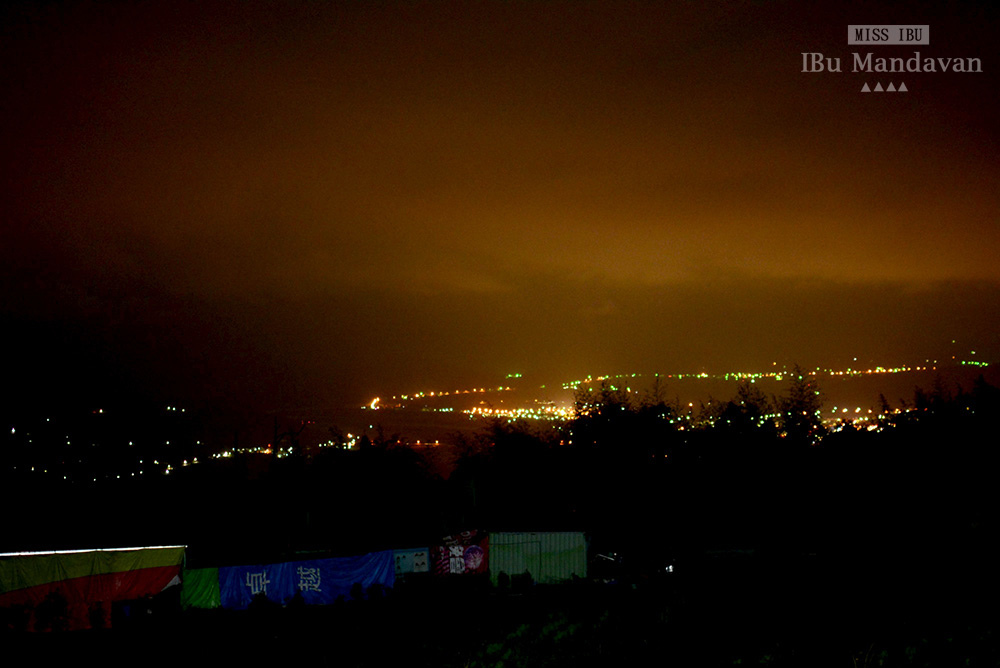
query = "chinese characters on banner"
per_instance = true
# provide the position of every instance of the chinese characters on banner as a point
(462, 554)
(319, 582)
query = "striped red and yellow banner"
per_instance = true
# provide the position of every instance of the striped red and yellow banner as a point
(87, 580)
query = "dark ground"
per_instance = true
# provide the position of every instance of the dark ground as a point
(729, 609)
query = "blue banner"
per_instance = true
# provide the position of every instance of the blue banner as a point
(320, 581)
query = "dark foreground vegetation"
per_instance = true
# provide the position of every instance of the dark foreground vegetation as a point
(792, 543)
(746, 613)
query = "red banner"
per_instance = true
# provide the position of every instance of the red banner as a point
(462, 554)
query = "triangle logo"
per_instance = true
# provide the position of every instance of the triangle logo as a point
(891, 88)
(902, 88)
(878, 87)
(865, 88)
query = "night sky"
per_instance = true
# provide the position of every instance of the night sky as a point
(302, 204)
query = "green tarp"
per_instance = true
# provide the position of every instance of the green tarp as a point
(201, 588)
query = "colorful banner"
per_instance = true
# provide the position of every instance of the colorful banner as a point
(319, 582)
(462, 554)
(78, 586)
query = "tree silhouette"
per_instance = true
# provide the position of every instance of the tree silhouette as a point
(799, 409)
